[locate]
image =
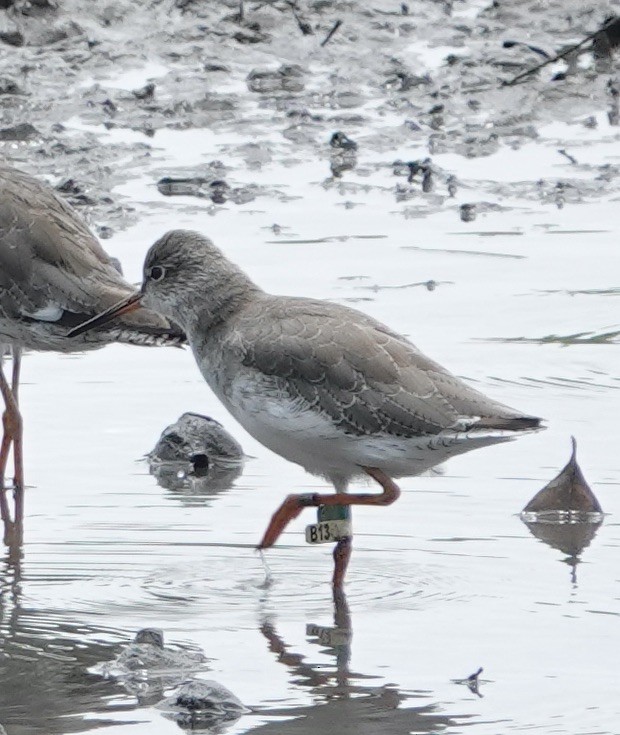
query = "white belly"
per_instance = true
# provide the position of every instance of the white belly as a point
(297, 432)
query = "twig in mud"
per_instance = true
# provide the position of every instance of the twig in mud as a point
(533, 49)
(567, 52)
(304, 26)
(328, 37)
(563, 152)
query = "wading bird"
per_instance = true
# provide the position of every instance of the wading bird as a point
(53, 275)
(321, 384)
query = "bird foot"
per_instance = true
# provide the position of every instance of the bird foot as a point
(288, 511)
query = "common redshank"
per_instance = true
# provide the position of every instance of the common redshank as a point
(53, 275)
(321, 384)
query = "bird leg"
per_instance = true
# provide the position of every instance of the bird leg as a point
(5, 447)
(18, 436)
(12, 425)
(342, 554)
(294, 504)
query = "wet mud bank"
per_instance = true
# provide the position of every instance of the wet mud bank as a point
(87, 90)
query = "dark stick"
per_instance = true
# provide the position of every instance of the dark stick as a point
(335, 27)
(562, 152)
(567, 52)
(304, 26)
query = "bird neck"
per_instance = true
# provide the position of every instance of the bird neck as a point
(224, 299)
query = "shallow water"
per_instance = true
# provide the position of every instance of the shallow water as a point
(447, 580)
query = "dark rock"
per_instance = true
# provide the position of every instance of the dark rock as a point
(109, 107)
(105, 233)
(9, 86)
(69, 186)
(607, 39)
(56, 33)
(288, 78)
(12, 37)
(219, 191)
(452, 185)
(22, 131)
(427, 180)
(340, 140)
(467, 212)
(247, 37)
(145, 93)
(152, 636)
(213, 67)
(202, 702)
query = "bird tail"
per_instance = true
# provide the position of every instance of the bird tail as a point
(508, 423)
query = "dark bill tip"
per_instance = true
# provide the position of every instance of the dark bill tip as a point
(122, 307)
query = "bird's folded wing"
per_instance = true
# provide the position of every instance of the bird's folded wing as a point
(365, 377)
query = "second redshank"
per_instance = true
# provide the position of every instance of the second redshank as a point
(53, 275)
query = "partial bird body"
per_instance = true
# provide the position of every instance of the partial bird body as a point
(53, 275)
(321, 384)
(333, 390)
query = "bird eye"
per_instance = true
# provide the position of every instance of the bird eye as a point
(156, 273)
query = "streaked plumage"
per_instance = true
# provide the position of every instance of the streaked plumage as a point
(321, 384)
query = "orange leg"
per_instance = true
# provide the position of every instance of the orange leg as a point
(7, 439)
(12, 425)
(5, 514)
(4, 451)
(18, 438)
(294, 504)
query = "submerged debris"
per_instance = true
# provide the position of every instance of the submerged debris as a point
(340, 140)
(565, 514)
(467, 212)
(196, 439)
(145, 93)
(145, 667)
(569, 492)
(196, 452)
(344, 154)
(203, 187)
(202, 704)
(147, 653)
(472, 682)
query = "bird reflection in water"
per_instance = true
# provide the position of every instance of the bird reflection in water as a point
(44, 654)
(347, 702)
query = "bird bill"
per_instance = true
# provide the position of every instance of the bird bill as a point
(121, 307)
